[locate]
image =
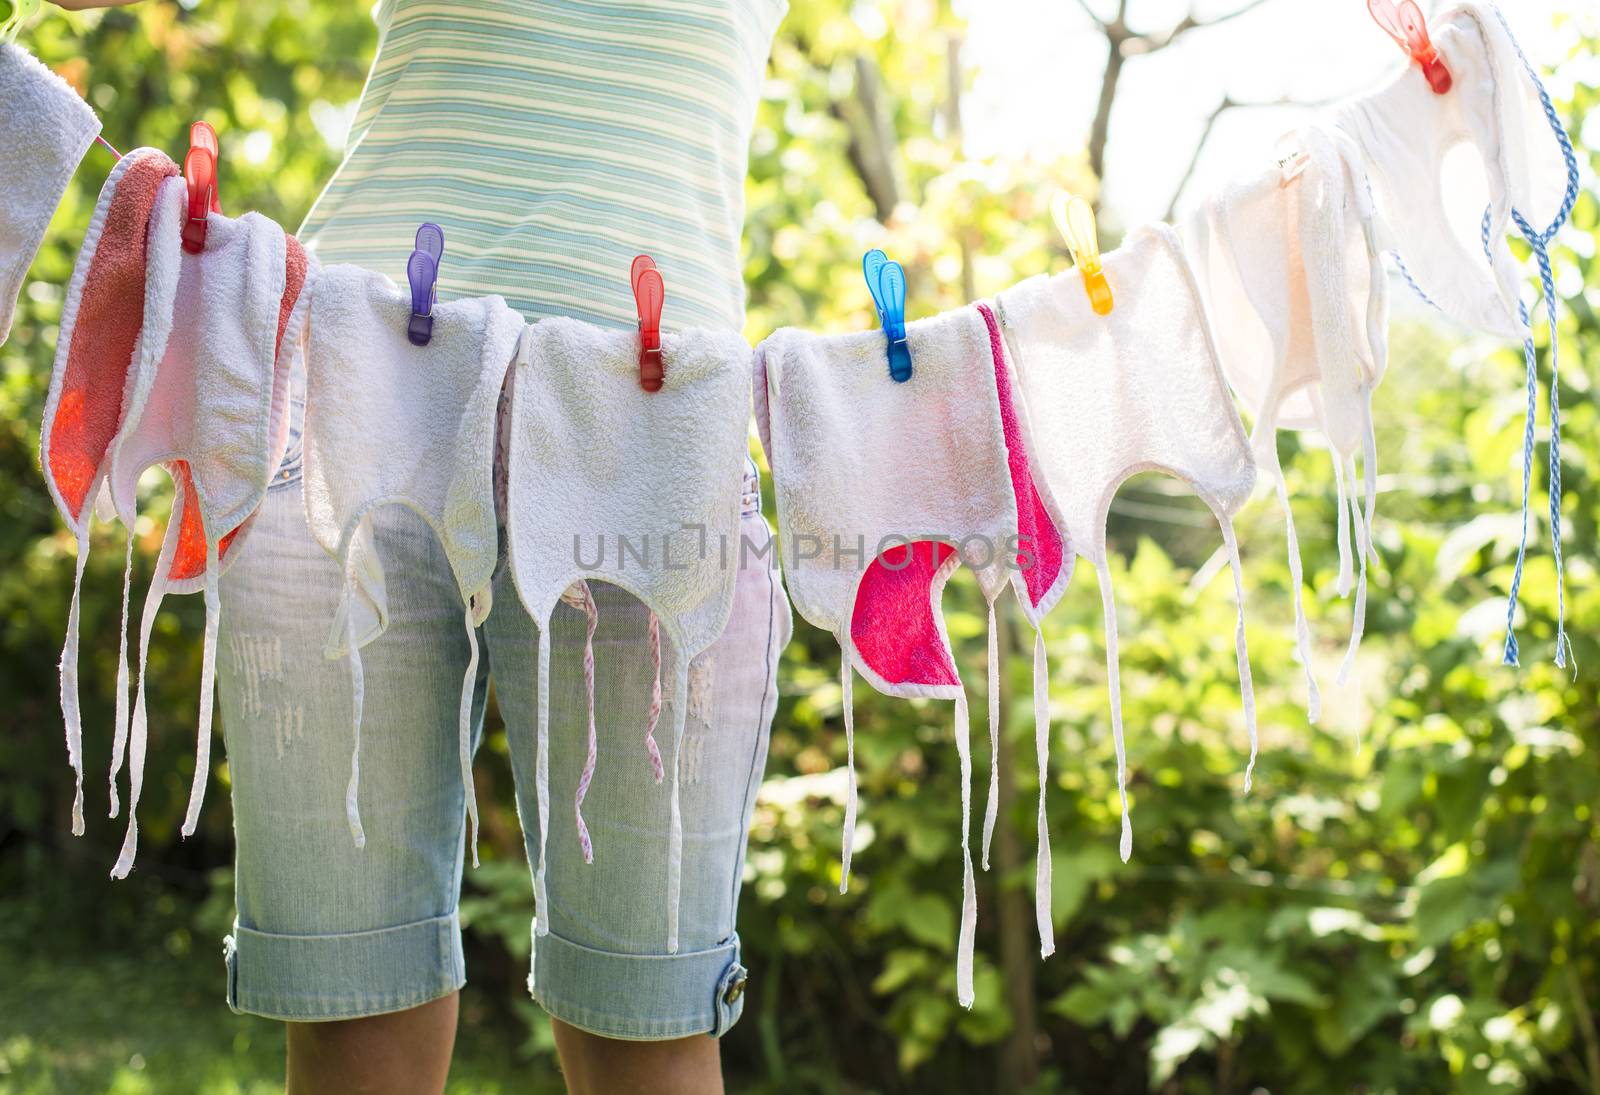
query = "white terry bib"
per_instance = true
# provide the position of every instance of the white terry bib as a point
(608, 482)
(1407, 133)
(102, 322)
(1111, 396)
(45, 129)
(1499, 109)
(1290, 263)
(389, 423)
(883, 489)
(201, 401)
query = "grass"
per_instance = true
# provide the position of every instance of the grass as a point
(153, 1022)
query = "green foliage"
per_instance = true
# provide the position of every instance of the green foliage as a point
(1418, 914)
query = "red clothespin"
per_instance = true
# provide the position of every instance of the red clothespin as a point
(1405, 24)
(649, 293)
(200, 172)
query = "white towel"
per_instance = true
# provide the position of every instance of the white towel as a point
(102, 320)
(186, 574)
(878, 485)
(1040, 580)
(1407, 132)
(201, 403)
(1138, 390)
(389, 423)
(595, 459)
(45, 129)
(1464, 265)
(1290, 262)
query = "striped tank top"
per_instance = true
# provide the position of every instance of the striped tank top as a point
(554, 140)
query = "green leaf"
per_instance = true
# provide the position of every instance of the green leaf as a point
(929, 919)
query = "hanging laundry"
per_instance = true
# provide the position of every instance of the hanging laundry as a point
(1290, 263)
(392, 423)
(45, 129)
(1499, 109)
(206, 399)
(884, 488)
(101, 322)
(187, 571)
(1137, 389)
(609, 482)
(1407, 133)
(1039, 580)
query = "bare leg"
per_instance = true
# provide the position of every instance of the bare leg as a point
(402, 1053)
(605, 1066)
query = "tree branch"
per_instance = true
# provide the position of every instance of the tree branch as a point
(1152, 43)
(872, 138)
(1228, 103)
(1122, 44)
(1100, 130)
(1229, 15)
(1090, 12)
(1222, 108)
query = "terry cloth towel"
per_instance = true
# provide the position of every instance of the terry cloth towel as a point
(101, 321)
(1044, 567)
(201, 403)
(187, 572)
(45, 129)
(1138, 390)
(390, 423)
(608, 482)
(1407, 132)
(1501, 109)
(883, 490)
(1290, 264)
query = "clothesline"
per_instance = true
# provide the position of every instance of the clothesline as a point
(1008, 423)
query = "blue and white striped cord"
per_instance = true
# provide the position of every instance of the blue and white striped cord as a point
(1539, 242)
(1422, 294)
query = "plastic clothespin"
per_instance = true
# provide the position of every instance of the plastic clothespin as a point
(1407, 26)
(1074, 218)
(200, 172)
(422, 271)
(886, 281)
(21, 12)
(649, 294)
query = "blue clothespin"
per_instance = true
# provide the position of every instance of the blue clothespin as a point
(422, 270)
(886, 281)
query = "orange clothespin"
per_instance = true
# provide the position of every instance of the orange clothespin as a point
(200, 172)
(1074, 218)
(1405, 23)
(649, 293)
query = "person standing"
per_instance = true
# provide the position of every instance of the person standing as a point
(552, 140)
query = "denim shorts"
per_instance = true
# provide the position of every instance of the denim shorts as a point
(324, 930)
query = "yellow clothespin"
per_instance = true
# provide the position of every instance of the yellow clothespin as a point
(1074, 217)
(21, 12)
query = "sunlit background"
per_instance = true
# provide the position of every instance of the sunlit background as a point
(1037, 67)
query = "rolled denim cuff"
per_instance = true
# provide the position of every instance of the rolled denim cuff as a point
(313, 978)
(639, 997)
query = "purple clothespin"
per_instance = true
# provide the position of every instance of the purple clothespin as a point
(422, 270)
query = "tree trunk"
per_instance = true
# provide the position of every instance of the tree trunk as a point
(873, 142)
(1101, 131)
(1019, 956)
